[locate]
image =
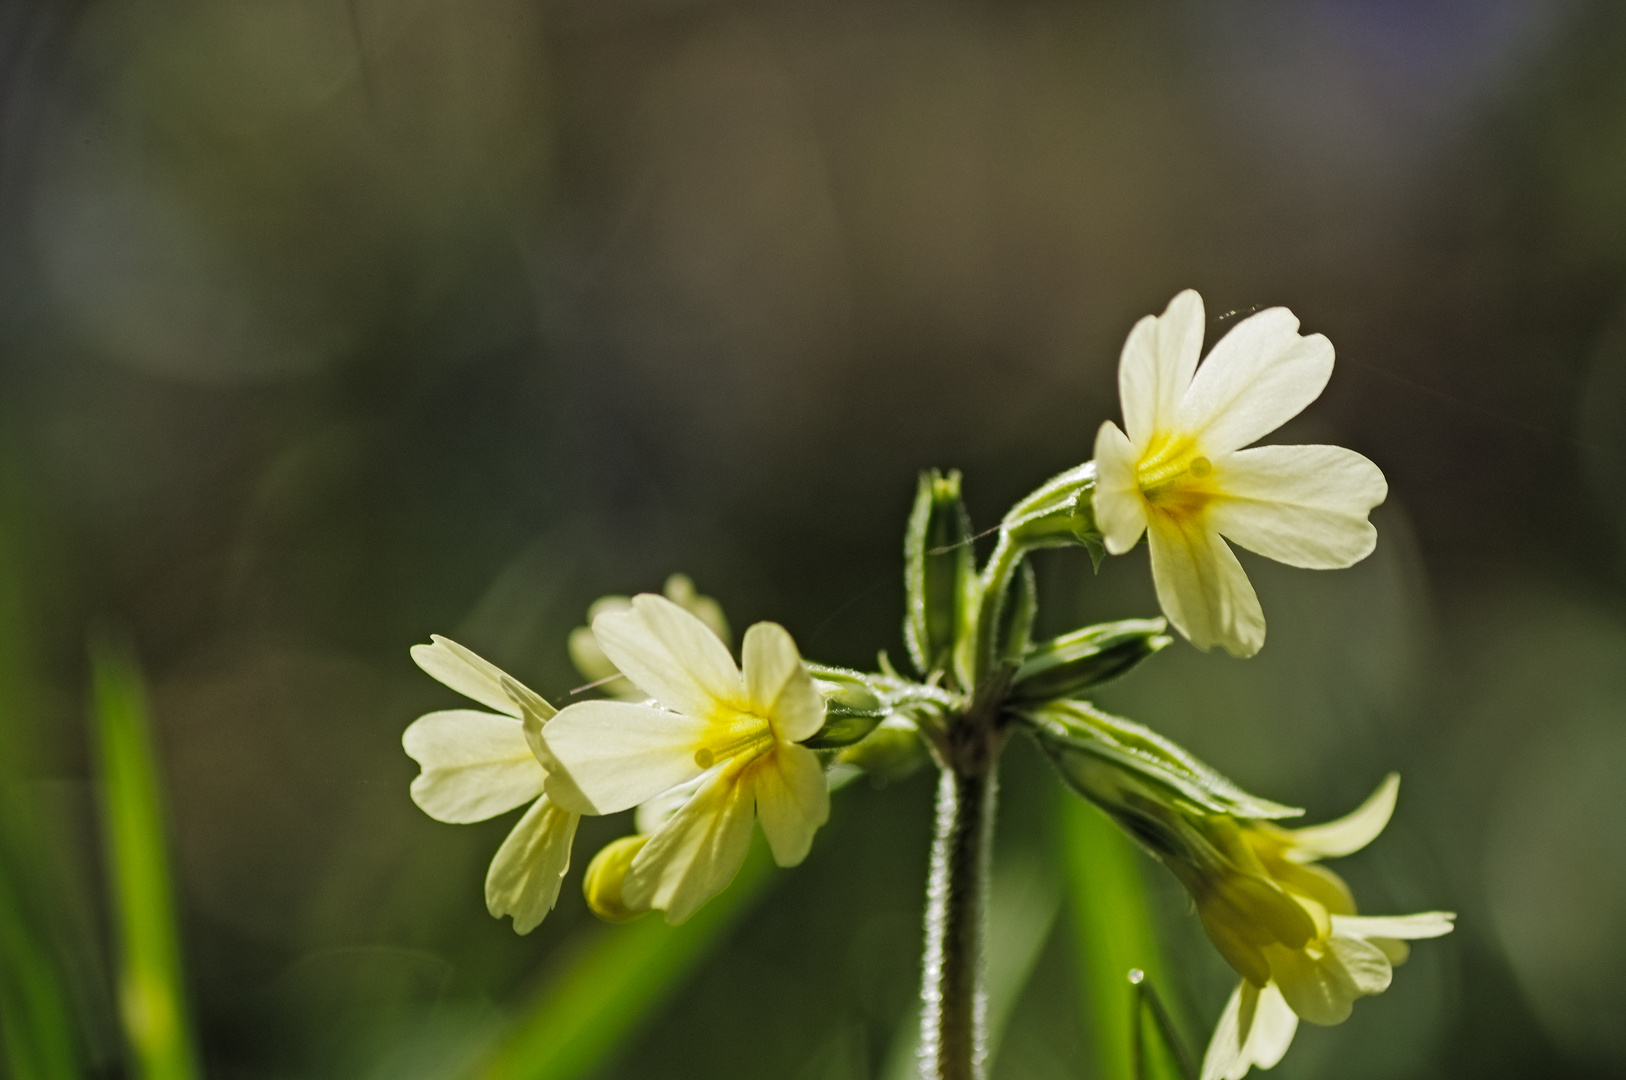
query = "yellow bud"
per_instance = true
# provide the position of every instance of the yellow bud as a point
(601, 885)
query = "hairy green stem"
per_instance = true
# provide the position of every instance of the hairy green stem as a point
(954, 1005)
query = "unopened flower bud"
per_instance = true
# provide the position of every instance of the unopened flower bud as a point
(893, 751)
(940, 578)
(602, 883)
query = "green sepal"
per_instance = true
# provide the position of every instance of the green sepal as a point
(1076, 736)
(1059, 513)
(1072, 663)
(1017, 615)
(1097, 550)
(940, 577)
(843, 728)
(852, 709)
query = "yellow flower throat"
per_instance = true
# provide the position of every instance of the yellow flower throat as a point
(1175, 478)
(746, 734)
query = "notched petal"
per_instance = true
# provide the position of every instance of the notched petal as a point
(528, 869)
(475, 765)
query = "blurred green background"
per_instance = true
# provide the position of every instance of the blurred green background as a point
(328, 324)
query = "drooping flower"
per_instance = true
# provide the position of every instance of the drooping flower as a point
(597, 668)
(477, 765)
(732, 734)
(1289, 927)
(1181, 475)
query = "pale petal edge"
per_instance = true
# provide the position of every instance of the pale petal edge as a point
(1350, 833)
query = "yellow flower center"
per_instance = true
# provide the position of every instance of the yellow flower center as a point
(1175, 478)
(742, 734)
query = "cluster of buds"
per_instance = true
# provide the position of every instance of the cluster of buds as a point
(702, 746)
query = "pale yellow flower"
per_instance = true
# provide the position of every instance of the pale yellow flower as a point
(1181, 475)
(731, 734)
(477, 765)
(1289, 927)
(597, 668)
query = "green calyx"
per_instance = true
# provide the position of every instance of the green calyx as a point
(940, 580)
(1068, 665)
(852, 708)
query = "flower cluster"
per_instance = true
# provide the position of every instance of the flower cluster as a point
(1286, 924)
(704, 748)
(712, 748)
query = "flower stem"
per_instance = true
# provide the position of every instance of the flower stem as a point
(954, 1006)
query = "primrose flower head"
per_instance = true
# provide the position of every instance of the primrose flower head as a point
(1289, 926)
(1178, 471)
(477, 765)
(731, 734)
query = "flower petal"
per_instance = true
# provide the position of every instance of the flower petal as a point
(1259, 376)
(1363, 964)
(1255, 1029)
(1273, 1027)
(463, 671)
(590, 660)
(1202, 588)
(525, 876)
(1300, 505)
(616, 754)
(778, 685)
(1120, 510)
(653, 814)
(699, 851)
(1318, 990)
(1223, 1059)
(1427, 924)
(1156, 365)
(1350, 833)
(670, 655)
(475, 765)
(792, 801)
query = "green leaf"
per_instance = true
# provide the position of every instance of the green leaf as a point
(940, 576)
(613, 980)
(1112, 931)
(151, 994)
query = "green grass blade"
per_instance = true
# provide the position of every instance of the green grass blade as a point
(613, 981)
(36, 1026)
(37, 1031)
(1113, 930)
(151, 995)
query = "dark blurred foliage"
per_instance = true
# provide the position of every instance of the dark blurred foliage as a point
(328, 325)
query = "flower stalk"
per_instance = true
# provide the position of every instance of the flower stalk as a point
(954, 1001)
